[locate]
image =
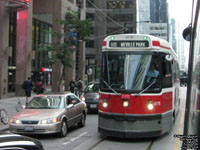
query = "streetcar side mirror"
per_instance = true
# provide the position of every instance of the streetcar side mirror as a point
(168, 57)
(187, 33)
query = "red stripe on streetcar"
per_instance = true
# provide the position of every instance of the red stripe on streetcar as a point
(104, 43)
(165, 47)
(157, 43)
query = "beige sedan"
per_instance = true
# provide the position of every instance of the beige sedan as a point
(50, 113)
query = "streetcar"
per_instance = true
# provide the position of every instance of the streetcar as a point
(191, 133)
(134, 102)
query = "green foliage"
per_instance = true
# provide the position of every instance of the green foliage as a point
(62, 51)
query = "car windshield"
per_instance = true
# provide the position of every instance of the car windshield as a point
(92, 88)
(46, 102)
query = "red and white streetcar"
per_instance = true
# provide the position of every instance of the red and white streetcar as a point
(139, 86)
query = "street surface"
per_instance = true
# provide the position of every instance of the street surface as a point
(88, 138)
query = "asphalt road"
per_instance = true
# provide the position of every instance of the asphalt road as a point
(88, 138)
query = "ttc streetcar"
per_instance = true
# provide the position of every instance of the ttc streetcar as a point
(139, 86)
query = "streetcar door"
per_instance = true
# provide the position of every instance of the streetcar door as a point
(166, 73)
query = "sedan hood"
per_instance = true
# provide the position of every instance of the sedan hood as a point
(38, 114)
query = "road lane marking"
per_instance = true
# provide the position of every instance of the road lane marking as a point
(75, 138)
(180, 127)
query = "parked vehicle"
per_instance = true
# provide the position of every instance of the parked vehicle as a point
(91, 95)
(50, 113)
(19, 142)
(183, 78)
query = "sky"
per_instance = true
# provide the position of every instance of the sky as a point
(181, 11)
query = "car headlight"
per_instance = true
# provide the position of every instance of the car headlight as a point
(49, 121)
(15, 121)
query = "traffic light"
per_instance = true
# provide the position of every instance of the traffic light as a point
(43, 69)
(28, 1)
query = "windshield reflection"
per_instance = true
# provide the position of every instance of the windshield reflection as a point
(46, 102)
(129, 71)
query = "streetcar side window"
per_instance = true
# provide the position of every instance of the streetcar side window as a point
(166, 74)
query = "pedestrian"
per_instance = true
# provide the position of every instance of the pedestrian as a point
(80, 87)
(27, 86)
(39, 87)
(72, 86)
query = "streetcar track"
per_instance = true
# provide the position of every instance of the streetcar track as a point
(104, 138)
(100, 141)
(150, 145)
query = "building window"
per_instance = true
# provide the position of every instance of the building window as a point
(72, 1)
(121, 17)
(90, 44)
(119, 4)
(41, 35)
(90, 3)
(12, 38)
(115, 30)
(90, 16)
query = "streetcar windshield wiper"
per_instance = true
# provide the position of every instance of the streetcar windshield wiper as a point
(110, 87)
(154, 81)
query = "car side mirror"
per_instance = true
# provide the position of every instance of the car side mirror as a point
(70, 106)
(187, 33)
(19, 106)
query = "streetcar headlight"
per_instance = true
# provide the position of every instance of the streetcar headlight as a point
(150, 105)
(125, 103)
(105, 103)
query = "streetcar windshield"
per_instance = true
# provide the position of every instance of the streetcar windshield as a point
(130, 71)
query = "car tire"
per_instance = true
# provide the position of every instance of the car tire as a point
(64, 128)
(82, 121)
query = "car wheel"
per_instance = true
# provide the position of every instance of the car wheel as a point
(82, 121)
(64, 129)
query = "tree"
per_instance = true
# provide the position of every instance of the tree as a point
(74, 30)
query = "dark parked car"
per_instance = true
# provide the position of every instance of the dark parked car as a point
(183, 78)
(91, 95)
(19, 142)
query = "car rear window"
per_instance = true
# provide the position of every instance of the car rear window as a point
(92, 88)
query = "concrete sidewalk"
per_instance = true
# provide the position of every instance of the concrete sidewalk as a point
(9, 104)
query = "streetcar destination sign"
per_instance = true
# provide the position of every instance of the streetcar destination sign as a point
(129, 44)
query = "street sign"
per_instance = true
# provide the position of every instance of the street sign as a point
(89, 71)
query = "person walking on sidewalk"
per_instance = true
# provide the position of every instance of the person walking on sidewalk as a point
(27, 86)
(72, 86)
(80, 87)
(39, 87)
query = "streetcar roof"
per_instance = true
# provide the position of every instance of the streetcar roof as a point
(136, 42)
